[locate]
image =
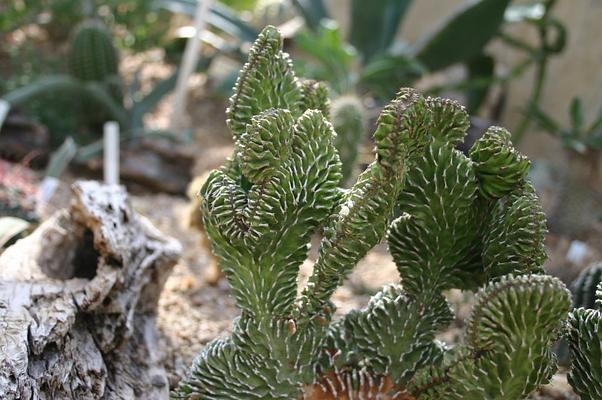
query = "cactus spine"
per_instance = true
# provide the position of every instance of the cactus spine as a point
(466, 223)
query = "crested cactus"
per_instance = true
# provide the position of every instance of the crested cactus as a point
(349, 121)
(585, 335)
(469, 223)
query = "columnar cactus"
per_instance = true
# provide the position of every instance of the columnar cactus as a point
(349, 122)
(585, 335)
(470, 223)
(93, 56)
(585, 285)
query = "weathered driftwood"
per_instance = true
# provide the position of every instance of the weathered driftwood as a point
(78, 300)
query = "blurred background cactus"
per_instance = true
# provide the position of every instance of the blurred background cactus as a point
(261, 208)
(585, 337)
(93, 57)
(580, 199)
(585, 286)
(94, 90)
(349, 122)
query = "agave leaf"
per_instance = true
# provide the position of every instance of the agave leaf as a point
(480, 68)
(221, 17)
(374, 25)
(151, 100)
(313, 11)
(463, 35)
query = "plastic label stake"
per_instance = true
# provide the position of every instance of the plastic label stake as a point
(111, 153)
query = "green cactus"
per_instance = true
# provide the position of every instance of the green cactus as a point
(349, 122)
(585, 285)
(585, 334)
(585, 344)
(94, 58)
(92, 55)
(282, 184)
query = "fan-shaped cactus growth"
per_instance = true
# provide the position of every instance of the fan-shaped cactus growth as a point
(470, 223)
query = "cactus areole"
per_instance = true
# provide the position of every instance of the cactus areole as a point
(470, 223)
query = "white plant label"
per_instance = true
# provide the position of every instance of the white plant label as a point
(4, 109)
(111, 153)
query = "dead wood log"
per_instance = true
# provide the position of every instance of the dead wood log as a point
(78, 301)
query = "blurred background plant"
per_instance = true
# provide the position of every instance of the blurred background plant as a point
(580, 200)
(91, 93)
(364, 60)
(372, 59)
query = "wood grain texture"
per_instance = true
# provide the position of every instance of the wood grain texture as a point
(78, 301)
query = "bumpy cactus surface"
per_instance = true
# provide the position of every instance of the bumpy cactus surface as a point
(585, 334)
(92, 55)
(584, 287)
(470, 223)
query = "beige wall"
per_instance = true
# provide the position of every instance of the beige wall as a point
(577, 71)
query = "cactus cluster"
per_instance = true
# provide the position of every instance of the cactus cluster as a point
(470, 223)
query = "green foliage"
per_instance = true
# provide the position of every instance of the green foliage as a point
(281, 185)
(577, 137)
(463, 35)
(272, 12)
(92, 88)
(585, 343)
(140, 24)
(335, 58)
(374, 25)
(385, 65)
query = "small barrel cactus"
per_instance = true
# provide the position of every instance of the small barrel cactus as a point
(93, 56)
(585, 334)
(349, 121)
(585, 285)
(468, 223)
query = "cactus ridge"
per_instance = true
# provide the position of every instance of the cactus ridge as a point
(464, 222)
